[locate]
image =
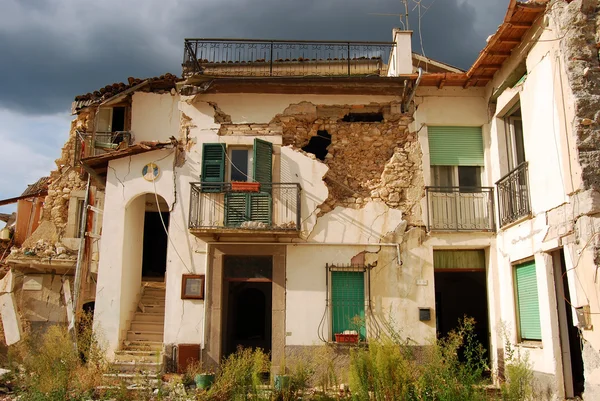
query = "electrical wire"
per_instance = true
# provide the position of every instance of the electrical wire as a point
(577, 277)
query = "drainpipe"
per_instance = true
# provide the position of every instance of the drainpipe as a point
(80, 252)
(414, 90)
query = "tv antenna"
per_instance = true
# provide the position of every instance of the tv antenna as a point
(403, 17)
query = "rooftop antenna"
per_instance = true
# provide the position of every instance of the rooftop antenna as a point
(403, 17)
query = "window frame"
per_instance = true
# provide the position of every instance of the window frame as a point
(366, 296)
(184, 280)
(517, 299)
(454, 173)
(511, 136)
(229, 161)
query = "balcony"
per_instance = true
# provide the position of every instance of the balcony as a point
(280, 58)
(460, 208)
(219, 208)
(99, 143)
(513, 195)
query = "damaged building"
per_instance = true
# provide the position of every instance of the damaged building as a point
(291, 194)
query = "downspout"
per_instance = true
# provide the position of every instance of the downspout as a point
(414, 90)
(80, 252)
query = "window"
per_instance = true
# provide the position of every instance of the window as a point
(515, 149)
(240, 164)
(456, 156)
(348, 302)
(79, 216)
(110, 119)
(528, 308)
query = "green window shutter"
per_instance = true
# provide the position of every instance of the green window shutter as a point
(347, 301)
(455, 146)
(260, 207)
(236, 209)
(528, 306)
(263, 160)
(213, 165)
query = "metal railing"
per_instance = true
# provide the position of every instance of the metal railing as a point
(87, 144)
(513, 195)
(460, 208)
(244, 57)
(270, 207)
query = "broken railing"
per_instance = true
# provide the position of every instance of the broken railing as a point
(245, 206)
(460, 208)
(88, 144)
(242, 57)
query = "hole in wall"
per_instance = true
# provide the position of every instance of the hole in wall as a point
(317, 145)
(363, 118)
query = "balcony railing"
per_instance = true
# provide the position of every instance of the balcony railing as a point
(87, 144)
(219, 207)
(460, 208)
(277, 58)
(513, 195)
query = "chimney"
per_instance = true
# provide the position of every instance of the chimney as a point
(401, 62)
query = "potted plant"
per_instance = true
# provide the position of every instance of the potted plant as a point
(244, 186)
(203, 379)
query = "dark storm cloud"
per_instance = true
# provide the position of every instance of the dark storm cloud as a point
(52, 50)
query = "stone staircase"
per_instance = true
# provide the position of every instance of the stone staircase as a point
(140, 359)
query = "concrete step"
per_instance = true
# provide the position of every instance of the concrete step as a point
(138, 356)
(143, 335)
(136, 325)
(152, 302)
(142, 346)
(149, 317)
(113, 380)
(154, 291)
(137, 366)
(154, 309)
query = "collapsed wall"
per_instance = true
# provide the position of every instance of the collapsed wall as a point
(578, 25)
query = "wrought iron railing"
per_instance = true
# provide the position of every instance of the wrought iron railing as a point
(460, 208)
(513, 195)
(266, 207)
(242, 57)
(87, 144)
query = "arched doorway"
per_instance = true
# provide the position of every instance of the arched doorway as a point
(156, 225)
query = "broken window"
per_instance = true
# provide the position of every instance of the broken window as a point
(363, 118)
(514, 137)
(318, 144)
(111, 119)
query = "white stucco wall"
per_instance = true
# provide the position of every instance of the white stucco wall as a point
(154, 116)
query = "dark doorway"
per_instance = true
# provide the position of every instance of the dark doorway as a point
(154, 259)
(248, 303)
(459, 294)
(569, 334)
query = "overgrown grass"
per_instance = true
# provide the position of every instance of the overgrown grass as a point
(50, 367)
(446, 370)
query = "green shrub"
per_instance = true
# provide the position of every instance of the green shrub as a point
(446, 370)
(239, 376)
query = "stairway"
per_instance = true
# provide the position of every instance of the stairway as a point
(140, 358)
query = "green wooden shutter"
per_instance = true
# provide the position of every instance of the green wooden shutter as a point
(527, 302)
(263, 161)
(455, 146)
(260, 207)
(213, 166)
(347, 301)
(236, 209)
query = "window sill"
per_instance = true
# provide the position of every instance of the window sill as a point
(531, 344)
(517, 221)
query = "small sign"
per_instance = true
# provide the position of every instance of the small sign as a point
(150, 172)
(192, 286)
(33, 283)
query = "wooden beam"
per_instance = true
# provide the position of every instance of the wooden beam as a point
(441, 83)
(508, 42)
(499, 53)
(520, 25)
(101, 183)
(492, 66)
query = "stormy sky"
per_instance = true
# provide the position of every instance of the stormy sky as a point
(52, 50)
